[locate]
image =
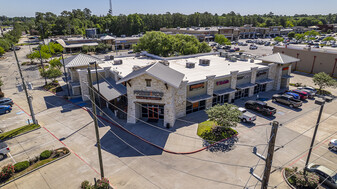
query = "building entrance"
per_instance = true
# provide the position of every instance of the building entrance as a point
(242, 93)
(260, 88)
(152, 111)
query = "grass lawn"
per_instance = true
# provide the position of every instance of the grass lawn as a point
(205, 126)
(20, 130)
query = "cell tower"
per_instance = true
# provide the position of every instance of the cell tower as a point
(110, 10)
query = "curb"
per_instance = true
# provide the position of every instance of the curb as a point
(22, 133)
(286, 180)
(4, 184)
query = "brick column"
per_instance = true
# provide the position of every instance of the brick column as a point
(234, 76)
(131, 113)
(83, 78)
(271, 75)
(210, 90)
(252, 80)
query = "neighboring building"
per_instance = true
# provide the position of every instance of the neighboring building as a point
(76, 45)
(300, 29)
(325, 27)
(164, 89)
(275, 31)
(201, 33)
(122, 43)
(311, 60)
(91, 32)
(285, 31)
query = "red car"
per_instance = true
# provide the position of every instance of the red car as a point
(303, 95)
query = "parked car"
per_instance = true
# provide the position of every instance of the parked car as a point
(333, 145)
(4, 109)
(303, 95)
(311, 94)
(230, 50)
(313, 90)
(294, 95)
(130, 52)
(236, 48)
(252, 47)
(246, 116)
(6, 101)
(4, 150)
(16, 48)
(327, 176)
(287, 99)
(260, 107)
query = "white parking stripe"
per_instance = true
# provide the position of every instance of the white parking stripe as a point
(12, 157)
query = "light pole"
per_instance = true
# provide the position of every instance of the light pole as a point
(99, 98)
(43, 71)
(65, 75)
(321, 103)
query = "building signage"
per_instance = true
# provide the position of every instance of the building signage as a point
(222, 82)
(261, 73)
(149, 95)
(286, 68)
(197, 86)
(242, 77)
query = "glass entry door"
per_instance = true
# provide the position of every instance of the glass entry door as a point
(153, 113)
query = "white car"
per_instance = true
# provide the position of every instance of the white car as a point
(333, 145)
(4, 150)
(246, 116)
(311, 89)
(327, 176)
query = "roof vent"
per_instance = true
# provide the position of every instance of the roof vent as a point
(252, 60)
(118, 62)
(204, 62)
(190, 65)
(224, 54)
(164, 62)
(137, 54)
(233, 58)
(134, 68)
(111, 57)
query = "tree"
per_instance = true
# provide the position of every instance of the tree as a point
(279, 39)
(226, 115)
(323, 80)
(36, 55)
(291, 35)
(329, 39)
(101, 47)
(299, 36)
(328, 31)
(56, 63)
(52, 73)
(2, 51)
(222, 40)
(311, 33)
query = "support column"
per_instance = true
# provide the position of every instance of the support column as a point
(252, 80)
(131, 114)
(210, 90)
(271, 75)
(234, 76)
(83, 79)
(278, 77)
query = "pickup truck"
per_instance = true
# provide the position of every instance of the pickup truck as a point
(260, 107)
(287, 99)
(246, 116)
(4, 150)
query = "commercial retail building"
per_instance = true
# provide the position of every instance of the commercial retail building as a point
(161, 89)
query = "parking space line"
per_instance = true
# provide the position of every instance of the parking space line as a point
(321, 157)
(12, 157)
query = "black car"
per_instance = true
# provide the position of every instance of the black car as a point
(6, 101)
(260, 107)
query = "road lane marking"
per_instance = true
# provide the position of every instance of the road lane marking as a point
(12, 157)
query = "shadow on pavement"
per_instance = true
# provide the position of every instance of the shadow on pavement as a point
(223, 146)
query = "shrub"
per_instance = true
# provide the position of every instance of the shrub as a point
(86, 185)
(298, 179)
(45, 154)
(217, 134)
(6, 172)
(102, 184)
(20, 166)
(34, 160)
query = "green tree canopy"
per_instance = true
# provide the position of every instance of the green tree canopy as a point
(291, 35)
(329, 39)
(323, 80)
(56, 63)
(161, 44)
(312, 33)
(279, 39)
(2, 51)
(222, 40)
(226, 115)
(52, 73)
(299, 36)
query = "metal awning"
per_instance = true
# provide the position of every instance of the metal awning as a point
(224, 91)
(109, 89)
(245, 86)
(264, 81)
(287, 76)
(198, 98)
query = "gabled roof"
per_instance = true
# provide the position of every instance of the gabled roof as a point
(279, 58)
(159, 71)
(109, 89)
(80, 60)
(107, 37)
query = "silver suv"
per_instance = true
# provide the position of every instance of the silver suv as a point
(327, 176)
(4, 150)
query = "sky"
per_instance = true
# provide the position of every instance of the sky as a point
(13, 8)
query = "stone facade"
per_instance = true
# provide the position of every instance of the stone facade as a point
(252, 80)
(210, 90)
(180, 100)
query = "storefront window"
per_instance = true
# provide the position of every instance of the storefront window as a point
(202, 105)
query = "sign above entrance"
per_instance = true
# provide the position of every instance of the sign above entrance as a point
(148, 95)
(197, 86)
(286, 68)
(222, 82)
(260, 73)
(243, 77)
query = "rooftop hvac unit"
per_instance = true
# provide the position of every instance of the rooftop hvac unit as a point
(243, 57)
(111, 57)
(224, 54)
(118, 62)
(190, 64)
(204, 62)
(164, 62)
(135, 67)
(138, 54)
(233, 58)
(252, 60)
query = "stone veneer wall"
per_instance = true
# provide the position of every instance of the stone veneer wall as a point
(180, 100)
(168, 99)
(252, 80)
(210, 89)
(271, 75)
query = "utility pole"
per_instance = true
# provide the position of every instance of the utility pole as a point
(43, 71)
(96, 124)
(66, 75)
(270, 155)
(25, 88)
(321, 103)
